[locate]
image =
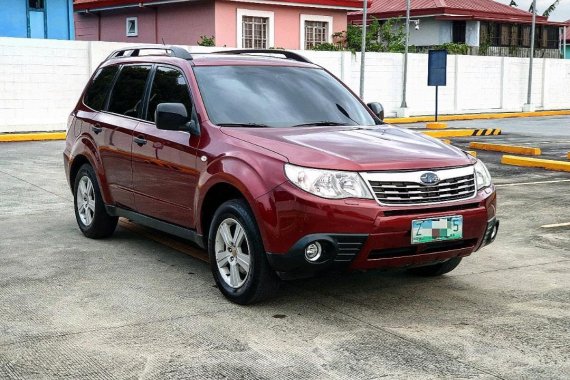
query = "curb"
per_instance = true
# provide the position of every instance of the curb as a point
(524, 150)
(536, 163)
(463, 132)
(40, 136)
(476, 116)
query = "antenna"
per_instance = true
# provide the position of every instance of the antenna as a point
(163, 41)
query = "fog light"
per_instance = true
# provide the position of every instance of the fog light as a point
(313, 251)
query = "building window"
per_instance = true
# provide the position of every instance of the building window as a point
(255, 29)
(36, 4)
(525, 35)
(315, 30)
(459, 32)
(254, 35)
(316, 33)
(132, 27)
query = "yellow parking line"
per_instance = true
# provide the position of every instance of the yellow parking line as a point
(13, 137)
(450, 133)
(536, 163)
(528, 151)
(463, 132)
(479, 116)
(472, 152)
(436, 125)
(446, 141)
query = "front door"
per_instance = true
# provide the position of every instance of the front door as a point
(164, 162)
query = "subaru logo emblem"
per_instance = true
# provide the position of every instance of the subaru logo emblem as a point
(429, 178)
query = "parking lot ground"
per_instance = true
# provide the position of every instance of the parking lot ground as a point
(131, 307)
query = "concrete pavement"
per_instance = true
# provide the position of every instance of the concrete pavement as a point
(128, 307)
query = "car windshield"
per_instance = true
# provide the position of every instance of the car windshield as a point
(276, 96)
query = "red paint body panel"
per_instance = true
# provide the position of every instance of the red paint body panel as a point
(169, 178)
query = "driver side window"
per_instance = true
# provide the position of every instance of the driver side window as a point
(169, 86)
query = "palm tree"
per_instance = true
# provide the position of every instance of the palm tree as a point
(548, 10)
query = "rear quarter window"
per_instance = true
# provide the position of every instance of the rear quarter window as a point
(99, 87)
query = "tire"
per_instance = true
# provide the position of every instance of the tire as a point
(240, 267)
(436, 269)
(90, 212)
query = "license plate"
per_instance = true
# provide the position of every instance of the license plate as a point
(437, 229)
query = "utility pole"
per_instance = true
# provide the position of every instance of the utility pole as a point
(528, 107)
(564, 42)
(363, 47)
(405, 84)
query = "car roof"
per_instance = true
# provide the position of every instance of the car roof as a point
(214, 59)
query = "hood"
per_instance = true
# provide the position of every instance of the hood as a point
(355, 148)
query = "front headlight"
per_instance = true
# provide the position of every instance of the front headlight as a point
(482, 175)
(328, 183)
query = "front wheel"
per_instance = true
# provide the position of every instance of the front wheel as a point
(436, 269)
(237, 256)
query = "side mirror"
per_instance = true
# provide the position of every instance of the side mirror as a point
(174, 117)
(377, 110)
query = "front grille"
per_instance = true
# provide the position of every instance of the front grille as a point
(407, 189)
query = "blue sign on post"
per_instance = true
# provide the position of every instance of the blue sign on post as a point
(437, 72)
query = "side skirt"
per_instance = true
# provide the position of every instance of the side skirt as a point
(173, 229)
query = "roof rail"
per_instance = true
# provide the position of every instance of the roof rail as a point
(134, 51)
(286, 53)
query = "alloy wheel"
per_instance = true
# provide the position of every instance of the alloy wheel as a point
(232, 253)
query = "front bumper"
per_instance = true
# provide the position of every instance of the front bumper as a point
(361, 234)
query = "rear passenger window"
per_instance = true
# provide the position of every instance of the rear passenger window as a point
(99, 88)
(169, 86)
(128, 91)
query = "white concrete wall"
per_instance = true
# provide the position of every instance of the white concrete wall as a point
(41, 81)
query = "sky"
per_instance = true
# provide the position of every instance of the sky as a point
(562, 12)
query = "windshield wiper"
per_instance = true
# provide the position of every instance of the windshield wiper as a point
(320, 124)
(247, 125)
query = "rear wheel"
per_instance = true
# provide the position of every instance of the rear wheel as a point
(436, 269)
(237, 256)
(90, 213)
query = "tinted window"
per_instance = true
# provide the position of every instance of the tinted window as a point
(97, 92)
(277, 96)
(168, 86)
(128, 92)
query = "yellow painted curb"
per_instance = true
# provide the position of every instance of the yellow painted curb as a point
(476, 116)
(472, 152)
(13, 137)
(569, 155)
(524, 150)
(536, 163)
(436, 125)
(463, 132)
(446, 141)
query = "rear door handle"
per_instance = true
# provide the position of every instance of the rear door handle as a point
(140, 140)
(97, 129)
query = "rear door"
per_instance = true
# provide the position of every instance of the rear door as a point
(164, 162)
(117, 124)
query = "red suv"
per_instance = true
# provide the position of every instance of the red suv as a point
(273, 165)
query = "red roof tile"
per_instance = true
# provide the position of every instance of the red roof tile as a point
(79, 5)
(457, 9)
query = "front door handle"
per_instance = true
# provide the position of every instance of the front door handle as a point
(97, 129)
(140, 140)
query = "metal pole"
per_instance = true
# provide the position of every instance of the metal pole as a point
(564, 43)
(405, 84)
(363, 47)
(436, 102)
(532, 36)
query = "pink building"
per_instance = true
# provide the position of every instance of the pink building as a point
(289, 24)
